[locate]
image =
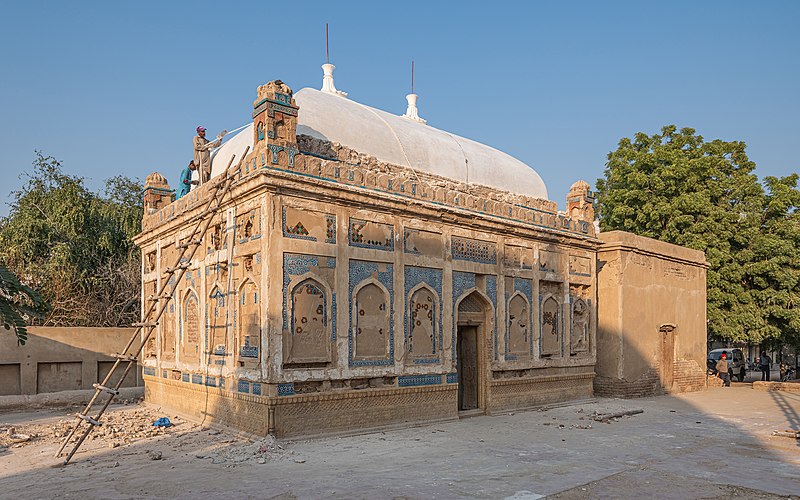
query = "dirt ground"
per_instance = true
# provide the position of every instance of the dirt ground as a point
(713, 444)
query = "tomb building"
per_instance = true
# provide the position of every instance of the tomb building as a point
(368, 270)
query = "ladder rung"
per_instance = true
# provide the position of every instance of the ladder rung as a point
(145, 324)
(124, 357)
(89, 419)
(106, 389)
(190, 243)
(182, 265)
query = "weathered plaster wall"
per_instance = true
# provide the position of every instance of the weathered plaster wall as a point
(651, 333)
(60, 359)
(360, 274)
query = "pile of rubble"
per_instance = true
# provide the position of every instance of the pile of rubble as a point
(119, 427)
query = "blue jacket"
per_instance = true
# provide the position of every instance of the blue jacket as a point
(185, 182)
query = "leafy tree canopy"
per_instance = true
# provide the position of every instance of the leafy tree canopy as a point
(18, 305)
(676, 187)
(74, 246)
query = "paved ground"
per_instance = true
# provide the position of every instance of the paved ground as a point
(713, 444)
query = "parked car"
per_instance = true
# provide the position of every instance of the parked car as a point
(736, 362)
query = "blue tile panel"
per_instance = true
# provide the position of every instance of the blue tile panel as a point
(452, 378)
(359, 272)
(357, 238)
(164, 374)
(197, 379)
(299, 264)
(483, 252)
(415, 380)
(256, 386)
(461, 283)
(525, 287)
(149, 370)
(432, 278)
(211, 381)
(491, 291)
(185, 377)
(243, 386)
(286, 389)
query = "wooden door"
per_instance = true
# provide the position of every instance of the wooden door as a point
(467, 367)
(667, 357)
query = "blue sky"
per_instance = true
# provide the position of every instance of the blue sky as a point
(118, 88)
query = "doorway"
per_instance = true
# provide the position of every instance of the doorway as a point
(467, 367)
(666, 373)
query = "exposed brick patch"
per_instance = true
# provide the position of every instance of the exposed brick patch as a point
(647, 385)
(689, 376)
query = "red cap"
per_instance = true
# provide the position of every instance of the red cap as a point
(201, 129)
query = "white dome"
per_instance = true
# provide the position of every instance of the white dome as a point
(401, 141)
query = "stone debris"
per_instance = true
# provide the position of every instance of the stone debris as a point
(154, 455)
(261, 451)
(614, 417)
(789, 433)
(120, 427)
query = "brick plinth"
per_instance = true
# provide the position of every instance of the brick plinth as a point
(307, 415)
(513, 394)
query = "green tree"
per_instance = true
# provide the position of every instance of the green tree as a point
(676, 187)
(75, 247)
(18, 305)
(773, 273)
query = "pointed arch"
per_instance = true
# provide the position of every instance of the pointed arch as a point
(551, 338)
(370, 339)
(518, 333)
(307, 339)
(217, 321)
(249, 320)
(190, 325)
(580, 325)
(423, 338)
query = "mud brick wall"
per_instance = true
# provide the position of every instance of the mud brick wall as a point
(689, 375)
(648, 384)
(651, 332)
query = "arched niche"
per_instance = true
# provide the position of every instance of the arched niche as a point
(190, 327)
(168, 340)
(217, 321)
(371, 321)
(249, 322)
(551, 328)
(519, 327)
(579, 334)
(308, 335)
(423, 307)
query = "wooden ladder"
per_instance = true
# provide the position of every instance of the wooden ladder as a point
(158, 304)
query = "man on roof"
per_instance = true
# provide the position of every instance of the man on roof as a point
(202, 153)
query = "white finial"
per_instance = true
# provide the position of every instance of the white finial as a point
(327, 81)
(411, 112)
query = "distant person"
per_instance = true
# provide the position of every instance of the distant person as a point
(764, 364)
(722, 369)
(186, 180)
(202, 153)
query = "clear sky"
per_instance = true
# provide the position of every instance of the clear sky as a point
(118, 87)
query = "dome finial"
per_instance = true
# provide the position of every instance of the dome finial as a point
(412, 113)
(327, 71)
